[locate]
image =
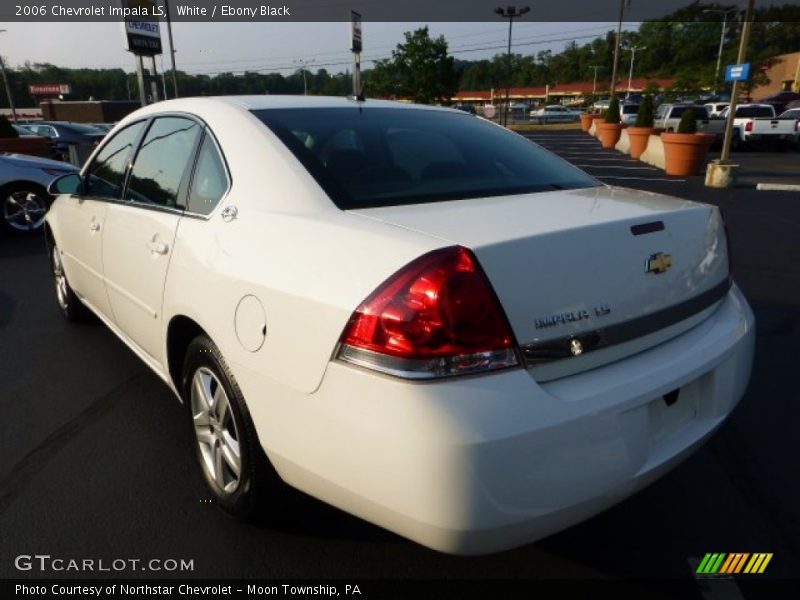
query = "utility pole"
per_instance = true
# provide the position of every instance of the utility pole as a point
(622, 5)
(303, 64)
(171, 53)
(8, 88)
(720, 173)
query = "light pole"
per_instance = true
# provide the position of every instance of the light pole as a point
(171, 54)
(724, 12)
(622, 5)
(594, 81)
(8, 89)
(303, 64)
(633, 50)
(510, 13)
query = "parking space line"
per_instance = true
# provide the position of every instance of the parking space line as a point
(617, 167)
(639, 178)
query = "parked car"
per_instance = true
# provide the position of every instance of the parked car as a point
(753, 123)
(407, 312)
(601, 105)
(628, 112)
(793, 114)
(554, 114)
(23, 190)
(715, 108)
(65, 133)
(467, 108)
(668, 115)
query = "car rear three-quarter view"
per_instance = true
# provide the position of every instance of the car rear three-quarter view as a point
(407, 312)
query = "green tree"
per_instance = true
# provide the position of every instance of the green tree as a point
(419, 69)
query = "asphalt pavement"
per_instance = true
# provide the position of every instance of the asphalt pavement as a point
(96, 456)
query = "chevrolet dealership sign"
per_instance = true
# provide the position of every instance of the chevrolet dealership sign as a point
(142, 29)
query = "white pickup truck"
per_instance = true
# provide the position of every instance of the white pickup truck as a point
(754, 123)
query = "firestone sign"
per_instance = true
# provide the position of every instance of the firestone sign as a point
(49, 89)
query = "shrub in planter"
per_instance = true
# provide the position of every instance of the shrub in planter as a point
(685, 151)
(610, 129)
(643, 128)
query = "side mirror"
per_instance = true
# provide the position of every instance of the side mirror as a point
(71, 183)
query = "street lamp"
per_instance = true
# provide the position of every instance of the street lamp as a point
(303, 64)
(594, 81)
(622, 5)
(510, 13)
(724, 12)
(8, 89)
(633, 50)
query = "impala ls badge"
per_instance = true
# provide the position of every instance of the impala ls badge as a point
(601, 310)
(658, 263)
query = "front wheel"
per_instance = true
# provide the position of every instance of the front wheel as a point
(231, 459)
(71, 306)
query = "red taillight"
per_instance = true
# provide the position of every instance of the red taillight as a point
(435, 317)
(748, 126)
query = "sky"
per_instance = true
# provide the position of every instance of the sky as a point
(219, 47)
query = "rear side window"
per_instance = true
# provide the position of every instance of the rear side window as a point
(751, 112)
(366, 156)
(630, 109)
(106, 174)
(160, 170)
(209, 182)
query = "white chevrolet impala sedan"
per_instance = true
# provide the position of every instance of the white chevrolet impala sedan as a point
(404, 311)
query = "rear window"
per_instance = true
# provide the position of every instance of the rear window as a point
(630, 109)
(700, 112)
(751, 112)
(367, 157)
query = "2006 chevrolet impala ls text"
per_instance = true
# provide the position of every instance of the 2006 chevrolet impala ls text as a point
(405, 311)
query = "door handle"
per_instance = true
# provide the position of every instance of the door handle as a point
(157, 247)
(94, 226)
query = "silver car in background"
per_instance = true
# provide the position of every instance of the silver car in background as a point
(23, 190)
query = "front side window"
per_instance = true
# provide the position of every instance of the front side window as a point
(106, 174)
(209, 182)
(378, 156)
(160, 169)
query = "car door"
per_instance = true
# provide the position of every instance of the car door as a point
(140, 231)
(83, 217)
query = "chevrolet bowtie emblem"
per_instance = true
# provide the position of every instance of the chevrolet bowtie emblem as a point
(658, 263)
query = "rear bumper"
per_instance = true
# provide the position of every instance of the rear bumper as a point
(481, 464)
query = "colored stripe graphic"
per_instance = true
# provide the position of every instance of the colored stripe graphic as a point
(727, 564)
(715, 567)
(716, 563)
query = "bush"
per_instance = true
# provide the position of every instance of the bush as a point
(644, 118)
(6, 130)
(688, 122)
(612, 114)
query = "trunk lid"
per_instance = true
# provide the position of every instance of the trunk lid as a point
(570, 264)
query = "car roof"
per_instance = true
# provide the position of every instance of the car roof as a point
(262, 102)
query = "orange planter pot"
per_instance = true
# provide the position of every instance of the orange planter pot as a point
(639, 137)
(597, 120)
(586, 122)
(609, 134)
(685, 153)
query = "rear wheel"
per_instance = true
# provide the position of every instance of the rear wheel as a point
(231, 459)
(24, 207)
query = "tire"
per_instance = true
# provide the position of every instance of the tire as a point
(71, 307)
(23, 207)
(225, 438)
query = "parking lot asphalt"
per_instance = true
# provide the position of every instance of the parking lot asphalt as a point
(96, 457)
